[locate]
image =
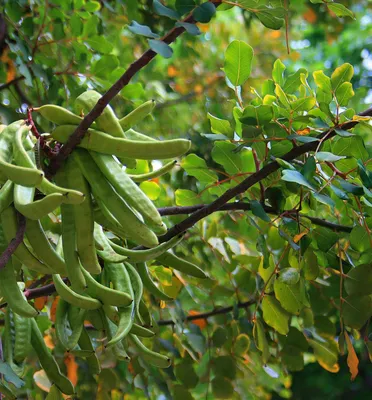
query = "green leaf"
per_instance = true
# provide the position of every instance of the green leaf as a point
(92, 6)
(280, 94)
(344, 93)
(223, 154)
(258, 210)
(296, 177)
(180, 393)
(106, 63)
(238, 62)
(219, 337)
(259, 115)
(310, 265)
(161, 48)
(350, 146)
(293, 82)
(186, 375)
(192, 29)
(224, 366)
(185, 197)
(322, 81)
(291, 297)
(342, 74)
(151, 189)
(221, 126)
(76, 25)
(278, 72)
(325, 351)
(260, 340)
(100, 44)
(274, 315)
(289, 276)
(241, 345)
(204, 12)
(356, 309)
(184, 6)
(164, 11)
(326, 156)
(303, 139)
(359, 239)
(303, 104)
(268, 18)
(343, 133)
(340, 10)
(322, 198)
(222, 388)
(359, 280)
(143, 30)
(324, 238)
(197, 167)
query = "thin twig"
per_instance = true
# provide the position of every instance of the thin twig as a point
(218, 311)
(15, 242)
(12, 82)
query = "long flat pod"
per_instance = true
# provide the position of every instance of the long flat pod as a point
(6, 195)
(71, 297)
(152, 357)
(106, 252)
(105, 294)
(149, 284)
(103, 143)
(18, 174)
(106, 122)
(48, 362)
(84, 220)
(138, 231)
(69, 237)
(124, 185)
(170, 260)
(27, 159)
(148, 254)
(153, 174)
(137, 115)
(22, 253)
(43, 248)
(35, 209)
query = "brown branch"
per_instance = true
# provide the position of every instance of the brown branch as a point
(253, 179)
(12, 82)
(14, 243)
(241, 206)
(97, 110)
(217, 311)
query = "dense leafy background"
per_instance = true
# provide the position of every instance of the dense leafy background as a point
(55, 50)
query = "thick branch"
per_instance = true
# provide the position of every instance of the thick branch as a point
(97, 110)
(241, 206)
(14, 243)
(209, 314)
(253, 179)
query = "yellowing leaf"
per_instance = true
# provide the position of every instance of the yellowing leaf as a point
(352, 358)
(334, 368)
(298, 237)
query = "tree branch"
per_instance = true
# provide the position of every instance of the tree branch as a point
(217, 311)
(14, 243)
(97, 110)
(253, 179)
(241, 206)
(12, 82)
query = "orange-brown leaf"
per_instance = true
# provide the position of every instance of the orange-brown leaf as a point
(352, 358)
(303, 132)
(172, 71)
(298, 237)
(53, 309)
(201, 323)
(310, 16)
(49, 342)
(72, 368)
(40, 302)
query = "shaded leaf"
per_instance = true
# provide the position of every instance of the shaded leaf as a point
(161, 48)
(274, 315)
(261, 340)
(356, 310)
(325, 351)
(204, 12)
(359, 280)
